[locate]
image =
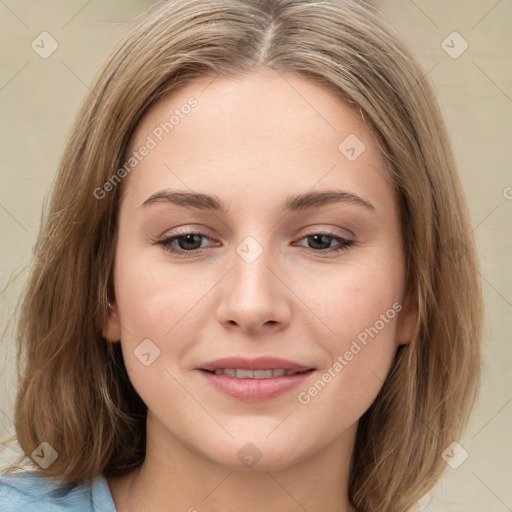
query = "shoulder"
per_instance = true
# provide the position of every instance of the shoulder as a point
(31, 491)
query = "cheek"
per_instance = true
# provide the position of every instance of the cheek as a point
(352, 298)
(359, 309)
(153, 297)
(158, 304)
(359, 358)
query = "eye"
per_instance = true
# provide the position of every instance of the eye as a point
(320, 242)
(187, 243)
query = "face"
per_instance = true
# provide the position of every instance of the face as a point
(258, 225)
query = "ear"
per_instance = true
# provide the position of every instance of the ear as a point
(407, 320)
(112, 331)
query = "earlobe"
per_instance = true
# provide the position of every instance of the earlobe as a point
(112, 331)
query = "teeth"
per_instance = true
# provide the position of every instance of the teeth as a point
(244, 374)
(253, 374)
(262, 374)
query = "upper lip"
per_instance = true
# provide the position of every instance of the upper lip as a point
(258, 363)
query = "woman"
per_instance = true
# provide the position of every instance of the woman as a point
(316, 334)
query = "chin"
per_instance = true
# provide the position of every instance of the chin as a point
(255, 452)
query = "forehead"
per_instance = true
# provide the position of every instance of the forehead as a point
(266, 132)
(266, 106)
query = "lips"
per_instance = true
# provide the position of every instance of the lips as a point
(241, 373)
(259, 363)
(254, 379)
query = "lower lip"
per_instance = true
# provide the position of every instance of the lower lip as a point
(255, 389)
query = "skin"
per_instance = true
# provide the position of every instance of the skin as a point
(252, 142)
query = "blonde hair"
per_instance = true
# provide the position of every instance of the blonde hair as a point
(74, 391)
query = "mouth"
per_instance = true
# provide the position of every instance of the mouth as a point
(254, 379)
(243, 373)
(258, 367)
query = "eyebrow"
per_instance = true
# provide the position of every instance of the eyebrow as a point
(299, 202)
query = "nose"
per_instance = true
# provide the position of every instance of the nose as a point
(254, 296)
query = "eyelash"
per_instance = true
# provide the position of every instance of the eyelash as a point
(166, 243)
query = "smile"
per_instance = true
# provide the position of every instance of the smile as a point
(240, 373)
(255, 385)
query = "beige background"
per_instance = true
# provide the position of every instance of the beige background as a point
(39, 98)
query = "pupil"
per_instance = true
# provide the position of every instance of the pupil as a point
(318, 239)
(189, 239)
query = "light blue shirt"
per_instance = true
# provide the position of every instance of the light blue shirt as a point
(33, 492)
